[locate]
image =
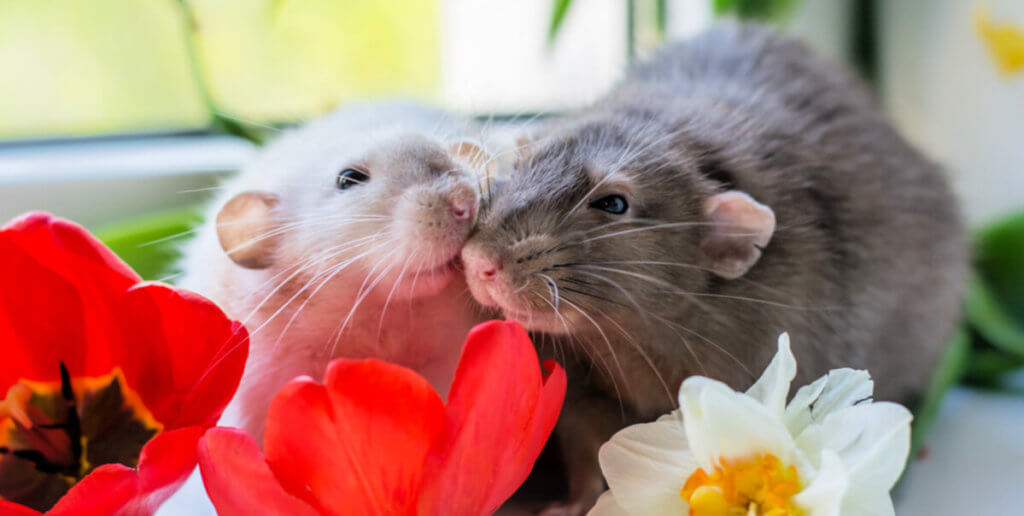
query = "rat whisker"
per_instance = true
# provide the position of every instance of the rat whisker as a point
(716, 346)
(696, 267)
(588, 294)
(362, 294)
(226, 350)
(387, 300)
(689, 348)
(638, 275)
(647, 228)
(646, 357)
(553, 288)
(284, 305)
(611, 351)
(618, 287)
(318, 257)
(328, 275)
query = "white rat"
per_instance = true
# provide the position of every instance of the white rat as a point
(341, 240)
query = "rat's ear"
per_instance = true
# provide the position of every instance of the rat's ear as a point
(738, 228)
(472, 154)
(524, 143)
(245, 228)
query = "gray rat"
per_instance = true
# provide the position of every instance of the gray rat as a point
(340, 240)
(732, 187)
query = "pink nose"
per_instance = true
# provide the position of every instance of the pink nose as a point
(489, 273)
(462, 211)
(484, 267)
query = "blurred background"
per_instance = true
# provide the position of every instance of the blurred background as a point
(112, 110)
(97, 90)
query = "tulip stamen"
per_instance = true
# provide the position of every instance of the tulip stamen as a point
(46, 429)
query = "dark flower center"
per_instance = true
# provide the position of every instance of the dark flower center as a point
(53, 434)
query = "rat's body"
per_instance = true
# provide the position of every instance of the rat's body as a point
(340, 240)
(731, 188)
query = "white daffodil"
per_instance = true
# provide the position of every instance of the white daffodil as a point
(831, 451)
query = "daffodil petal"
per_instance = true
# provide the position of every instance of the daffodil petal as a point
(873, 440)
(824, 495)
(607, 505)
(646, 466)
(837, 390)
(772, 388)
(721, 423)
(868, 504)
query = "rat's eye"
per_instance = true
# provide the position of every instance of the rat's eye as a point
(614, 204)
(351, 177)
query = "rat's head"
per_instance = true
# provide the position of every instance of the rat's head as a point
(599, 222)
(388, 211)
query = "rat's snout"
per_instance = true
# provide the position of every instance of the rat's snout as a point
(463, 201)
(481, 264)
(437, 216)
(462, 210)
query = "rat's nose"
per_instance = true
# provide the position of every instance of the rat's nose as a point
(462, 211)
(480, 264)
(488, 273)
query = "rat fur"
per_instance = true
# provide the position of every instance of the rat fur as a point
(856, 249)
(367, 271)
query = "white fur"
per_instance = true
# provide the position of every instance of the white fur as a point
(423, 332)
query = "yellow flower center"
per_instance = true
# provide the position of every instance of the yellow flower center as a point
(762, 486)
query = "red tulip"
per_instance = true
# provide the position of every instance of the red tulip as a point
(375, 438)
(109, 381)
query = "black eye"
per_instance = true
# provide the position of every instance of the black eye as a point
(351, 177)
(614, 204)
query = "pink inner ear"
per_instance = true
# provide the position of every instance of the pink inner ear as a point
(736, 214)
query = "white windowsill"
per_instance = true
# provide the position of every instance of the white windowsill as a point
(133, 157)
(94, 182)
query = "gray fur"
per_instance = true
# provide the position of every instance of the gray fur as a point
(865, 269)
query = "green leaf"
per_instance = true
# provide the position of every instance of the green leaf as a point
(995, 297)
(950, 371)
(754, 9)
(988, 316)
(559, 8)
(999, 257)
(722, 7)
(150, 243)
(987, 368)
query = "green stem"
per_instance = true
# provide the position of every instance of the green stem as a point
(661, 17)
(218, 121)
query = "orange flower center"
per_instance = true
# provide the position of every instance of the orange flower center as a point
(52, 434)
(762, 486)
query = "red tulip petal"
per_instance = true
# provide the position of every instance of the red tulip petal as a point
(42, 319)
(49, 235)
(182, 355)
(165, 464)
(497, 424)
(238, 479)
(55, 276)
(109, 489)
(13, 509)
(357, 444)
(114, 489)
